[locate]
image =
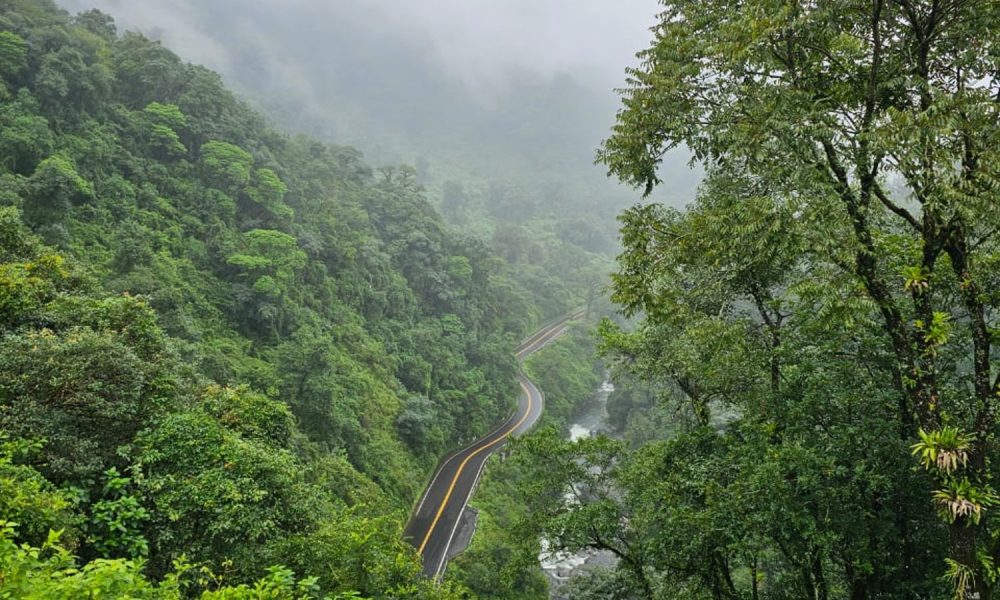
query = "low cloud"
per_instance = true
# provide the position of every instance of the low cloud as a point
(482, 43)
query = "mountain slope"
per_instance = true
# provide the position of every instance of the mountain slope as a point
(278, 337)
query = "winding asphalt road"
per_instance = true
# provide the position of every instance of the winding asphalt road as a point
(433, 524)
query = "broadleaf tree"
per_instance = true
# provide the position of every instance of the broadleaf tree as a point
(870, 129)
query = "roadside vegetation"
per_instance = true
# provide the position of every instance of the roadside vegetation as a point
(221, 348)
(820, 320)
(230, 357)
(502, 560)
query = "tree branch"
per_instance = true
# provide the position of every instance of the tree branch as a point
(895, 208)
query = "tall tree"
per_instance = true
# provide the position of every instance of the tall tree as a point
(879, 121)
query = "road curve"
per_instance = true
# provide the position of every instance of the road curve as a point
(432, 526)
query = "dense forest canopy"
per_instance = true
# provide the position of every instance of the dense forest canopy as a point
(823, 316)
(221, 348)
(497, 105)
(230, 357)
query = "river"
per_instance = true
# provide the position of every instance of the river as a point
(560, 567)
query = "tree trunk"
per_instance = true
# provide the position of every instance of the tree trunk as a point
(963, 551)
(822, 590)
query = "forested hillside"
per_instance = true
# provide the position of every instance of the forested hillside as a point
(229, 357)
(504, 151)
(219, 345)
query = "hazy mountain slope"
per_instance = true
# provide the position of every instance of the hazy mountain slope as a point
(510, 120)
(271, 341)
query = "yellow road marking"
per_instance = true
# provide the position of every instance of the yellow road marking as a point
(548, 328)
(548, 334)
(538, 334)
(540, 337)
(458, 473)
(550, 331)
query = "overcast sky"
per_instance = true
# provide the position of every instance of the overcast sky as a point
(481, 42)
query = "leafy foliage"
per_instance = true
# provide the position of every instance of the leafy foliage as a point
(568, 371)
(226, 345)
(823, 308)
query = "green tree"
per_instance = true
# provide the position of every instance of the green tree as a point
(24, 135)
(87, 392)
(417, 424)
(268, 192)
(51, 192)
(875, 122)
(212, 489)
(269, 265)
(114, 527)
(97, 23)
(68, 80)
(164, 124)
(48, 570)
(30, 500)
(146, 72)
(13, 55)
(227, 167)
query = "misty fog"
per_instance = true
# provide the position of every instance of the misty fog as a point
(512, 91)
